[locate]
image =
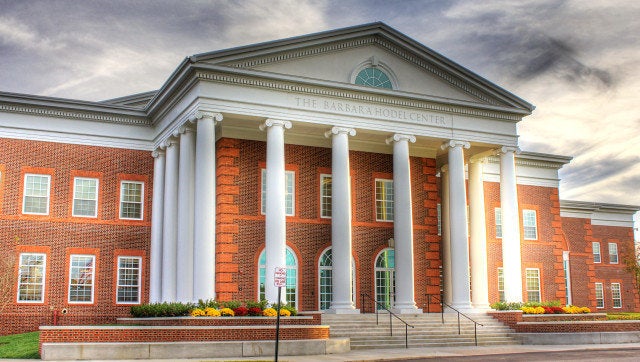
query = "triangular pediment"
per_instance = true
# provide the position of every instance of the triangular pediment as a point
(338, 56)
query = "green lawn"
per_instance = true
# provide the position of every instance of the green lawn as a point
(23, 345)
(623, 316)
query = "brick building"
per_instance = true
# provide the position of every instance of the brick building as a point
(359, 159)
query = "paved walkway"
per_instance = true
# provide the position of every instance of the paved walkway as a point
(410, 353)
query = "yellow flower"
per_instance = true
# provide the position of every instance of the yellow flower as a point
(212, 312)
(197, 312)
(227, 312)
(269, 312)
(285, 313)
(532, 310)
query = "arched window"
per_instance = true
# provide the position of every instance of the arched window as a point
(373, 77)
(291, 289)
(325, 278)
(385, 277)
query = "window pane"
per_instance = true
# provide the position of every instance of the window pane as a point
(530, 226)
(615, 295)
(31, 278)
(85, 197)
(128, 280)
(533, 285)
(613, 253)
(501, 285)
(81, 278)
(498, 213)
(384, 200)
(289, 192)
(131, 200)
(325, 196)
(291, 279)
(596, 252)
(599, 296)
(36, 194)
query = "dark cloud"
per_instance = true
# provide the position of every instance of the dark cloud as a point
(608, 167)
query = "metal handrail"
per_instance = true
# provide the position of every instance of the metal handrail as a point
(406, 325)
(442, 304)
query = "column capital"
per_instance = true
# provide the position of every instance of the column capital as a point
(455, 143)
(340, 130)
(400, 137)
(157, 152)
(275, 122)
(198, 115)
(170, 142)
(508, 149)
(184, 128)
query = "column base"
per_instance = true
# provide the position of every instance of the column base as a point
(408, 308)
(342, 311)
(462, 307)
(481, 307)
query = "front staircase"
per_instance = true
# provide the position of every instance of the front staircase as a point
(429, 330)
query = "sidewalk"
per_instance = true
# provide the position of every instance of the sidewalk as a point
(401, 353)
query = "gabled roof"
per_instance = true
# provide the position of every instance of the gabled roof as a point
(452, 72)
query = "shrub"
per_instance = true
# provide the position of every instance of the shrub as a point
(506, 306)
(232, 304)
(292, 311)
(269, 312)
(209, 303)
(261, 304)
(241, 311)
(255, 311)
(227, 312)
(161, 310)
(284, 312)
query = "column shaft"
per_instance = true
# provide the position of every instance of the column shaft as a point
(341, 243)
(478, 245)
(275, 218)
(204, 261)
(155, 274)
(460, 294)
(186, 173)
(403, 225)
(169, 226)
(446, 237)
(511, 259)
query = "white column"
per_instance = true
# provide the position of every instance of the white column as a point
(169, 225)
(184, 255)
(204, 260)
(478, 244)
(460, 294)
(341, 243)
(511, 259)
(403, 225)
(155, 274)
(446, 236)
(275, 218)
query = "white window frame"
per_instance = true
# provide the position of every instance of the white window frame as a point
(501, 296)
(498, 215)
(75, 189)
(384, 202)
(330, 268)
(325, 200)
(129, 202)
(526, 227)
(93, 278)
(43, 268)
(599, 291)
(613, 252)
(289, 176)
(527, 279)
(616, 301)
(596, 245)
(24, 196)
(296, 268)
(119, 283)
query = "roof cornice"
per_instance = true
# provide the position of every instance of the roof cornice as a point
(598, 206)
(71, 109)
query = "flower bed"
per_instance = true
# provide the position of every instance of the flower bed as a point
(211, 308)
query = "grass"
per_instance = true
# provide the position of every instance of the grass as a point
(23, 345)
(623, 316)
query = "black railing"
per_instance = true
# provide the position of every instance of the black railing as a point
(377, 307)
(443, 304)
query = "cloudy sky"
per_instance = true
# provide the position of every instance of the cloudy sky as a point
(577, 61)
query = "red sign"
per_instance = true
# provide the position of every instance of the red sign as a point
(280, 277)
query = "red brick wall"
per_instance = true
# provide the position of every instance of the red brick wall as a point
(545, 253)
(308, 234)
(581, 234)
(57, 232)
